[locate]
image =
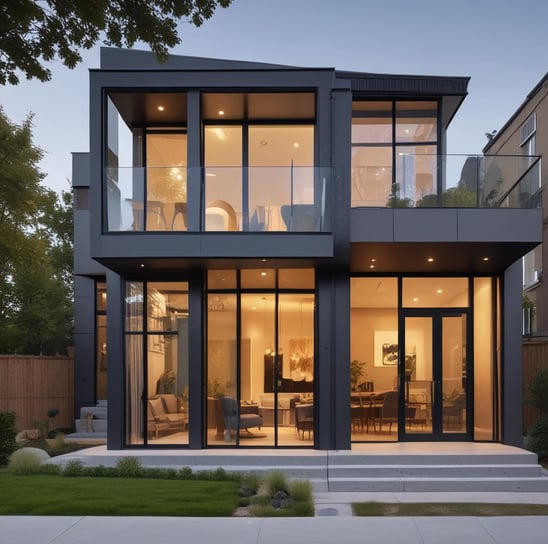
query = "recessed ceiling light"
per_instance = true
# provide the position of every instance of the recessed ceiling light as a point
(263, 273)
(221, 112)
(161, 108)
(263, 142)
(263, 260)
(430, 259)
(142, 265)
(296, 145)
(439, 291)
(371, 266)
(415, 299)
(373, 260)
(486, 258)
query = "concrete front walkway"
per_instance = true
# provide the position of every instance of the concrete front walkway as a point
(318, 530)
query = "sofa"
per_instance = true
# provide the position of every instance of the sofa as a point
(163, 414)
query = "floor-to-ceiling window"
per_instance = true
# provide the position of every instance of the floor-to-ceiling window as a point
(426, 369)
(259, 170)
(157, 362)
(260, 352)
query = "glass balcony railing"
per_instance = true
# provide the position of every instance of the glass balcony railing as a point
(449, 181)
(216, 199)
(293, 199)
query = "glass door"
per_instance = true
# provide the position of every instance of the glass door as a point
(434, 377)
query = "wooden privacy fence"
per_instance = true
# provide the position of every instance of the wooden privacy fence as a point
(535, 359)
(32, 385)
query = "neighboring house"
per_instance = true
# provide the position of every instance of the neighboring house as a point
(247, 230)
(526, 133)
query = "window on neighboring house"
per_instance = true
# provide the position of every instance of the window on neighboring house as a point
(532, 262)
(528, 139)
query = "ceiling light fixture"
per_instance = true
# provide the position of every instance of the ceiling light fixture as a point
(263, 273)
(221, 112)
(486, 259)
(439, 291)
(430, 259)
(161, 108)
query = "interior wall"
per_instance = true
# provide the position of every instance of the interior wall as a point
(363, 324)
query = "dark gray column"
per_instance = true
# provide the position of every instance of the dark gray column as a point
(333, 376)
(196, 390)
(115, 355)
(511, 405)
(84, 343)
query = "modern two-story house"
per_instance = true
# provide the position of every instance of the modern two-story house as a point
(276, 256)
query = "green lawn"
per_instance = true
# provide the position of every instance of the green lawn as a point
(87, 496)
(448, 509)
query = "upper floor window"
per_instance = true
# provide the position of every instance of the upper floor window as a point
(256, 155)
(394, 152)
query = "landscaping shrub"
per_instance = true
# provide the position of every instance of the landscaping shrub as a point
(8, 432)
(74, 468)
(24, 462)
(537, 439)
(275, 482)
(538, 392)
(129, 467)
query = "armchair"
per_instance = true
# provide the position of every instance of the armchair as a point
(234, 420)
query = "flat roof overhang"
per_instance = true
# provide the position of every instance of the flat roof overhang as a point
(459, 240)
(163, 253)
(436, 257)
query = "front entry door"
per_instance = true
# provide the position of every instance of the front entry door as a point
(434, 379)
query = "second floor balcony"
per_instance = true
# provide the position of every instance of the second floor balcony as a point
(301, 199)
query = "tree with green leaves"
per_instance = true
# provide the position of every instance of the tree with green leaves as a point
(35, 250)
(35, 32)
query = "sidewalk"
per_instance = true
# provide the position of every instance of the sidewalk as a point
(333, 524)
(318, 530)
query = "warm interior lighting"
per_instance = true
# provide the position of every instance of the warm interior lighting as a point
(142, 265)
(415, 299)
(296, 145)
(371, 266)
(430, 259)
(263, 273)
(221, 112)
(439, 291)
(486, 258)
(161, 108)
(373, 260)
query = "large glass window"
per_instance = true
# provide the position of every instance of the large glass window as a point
(261, 355)
(157, 362)
(435, 377)
(374, 358)
(394, 153)
(144, 185)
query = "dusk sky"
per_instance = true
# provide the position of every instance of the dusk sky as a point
(501, 44)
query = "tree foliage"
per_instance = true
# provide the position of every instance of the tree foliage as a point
(35, 250)
(34, 32)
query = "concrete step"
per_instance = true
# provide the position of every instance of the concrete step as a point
(412, 470)
(395, 485)
(512, 470)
